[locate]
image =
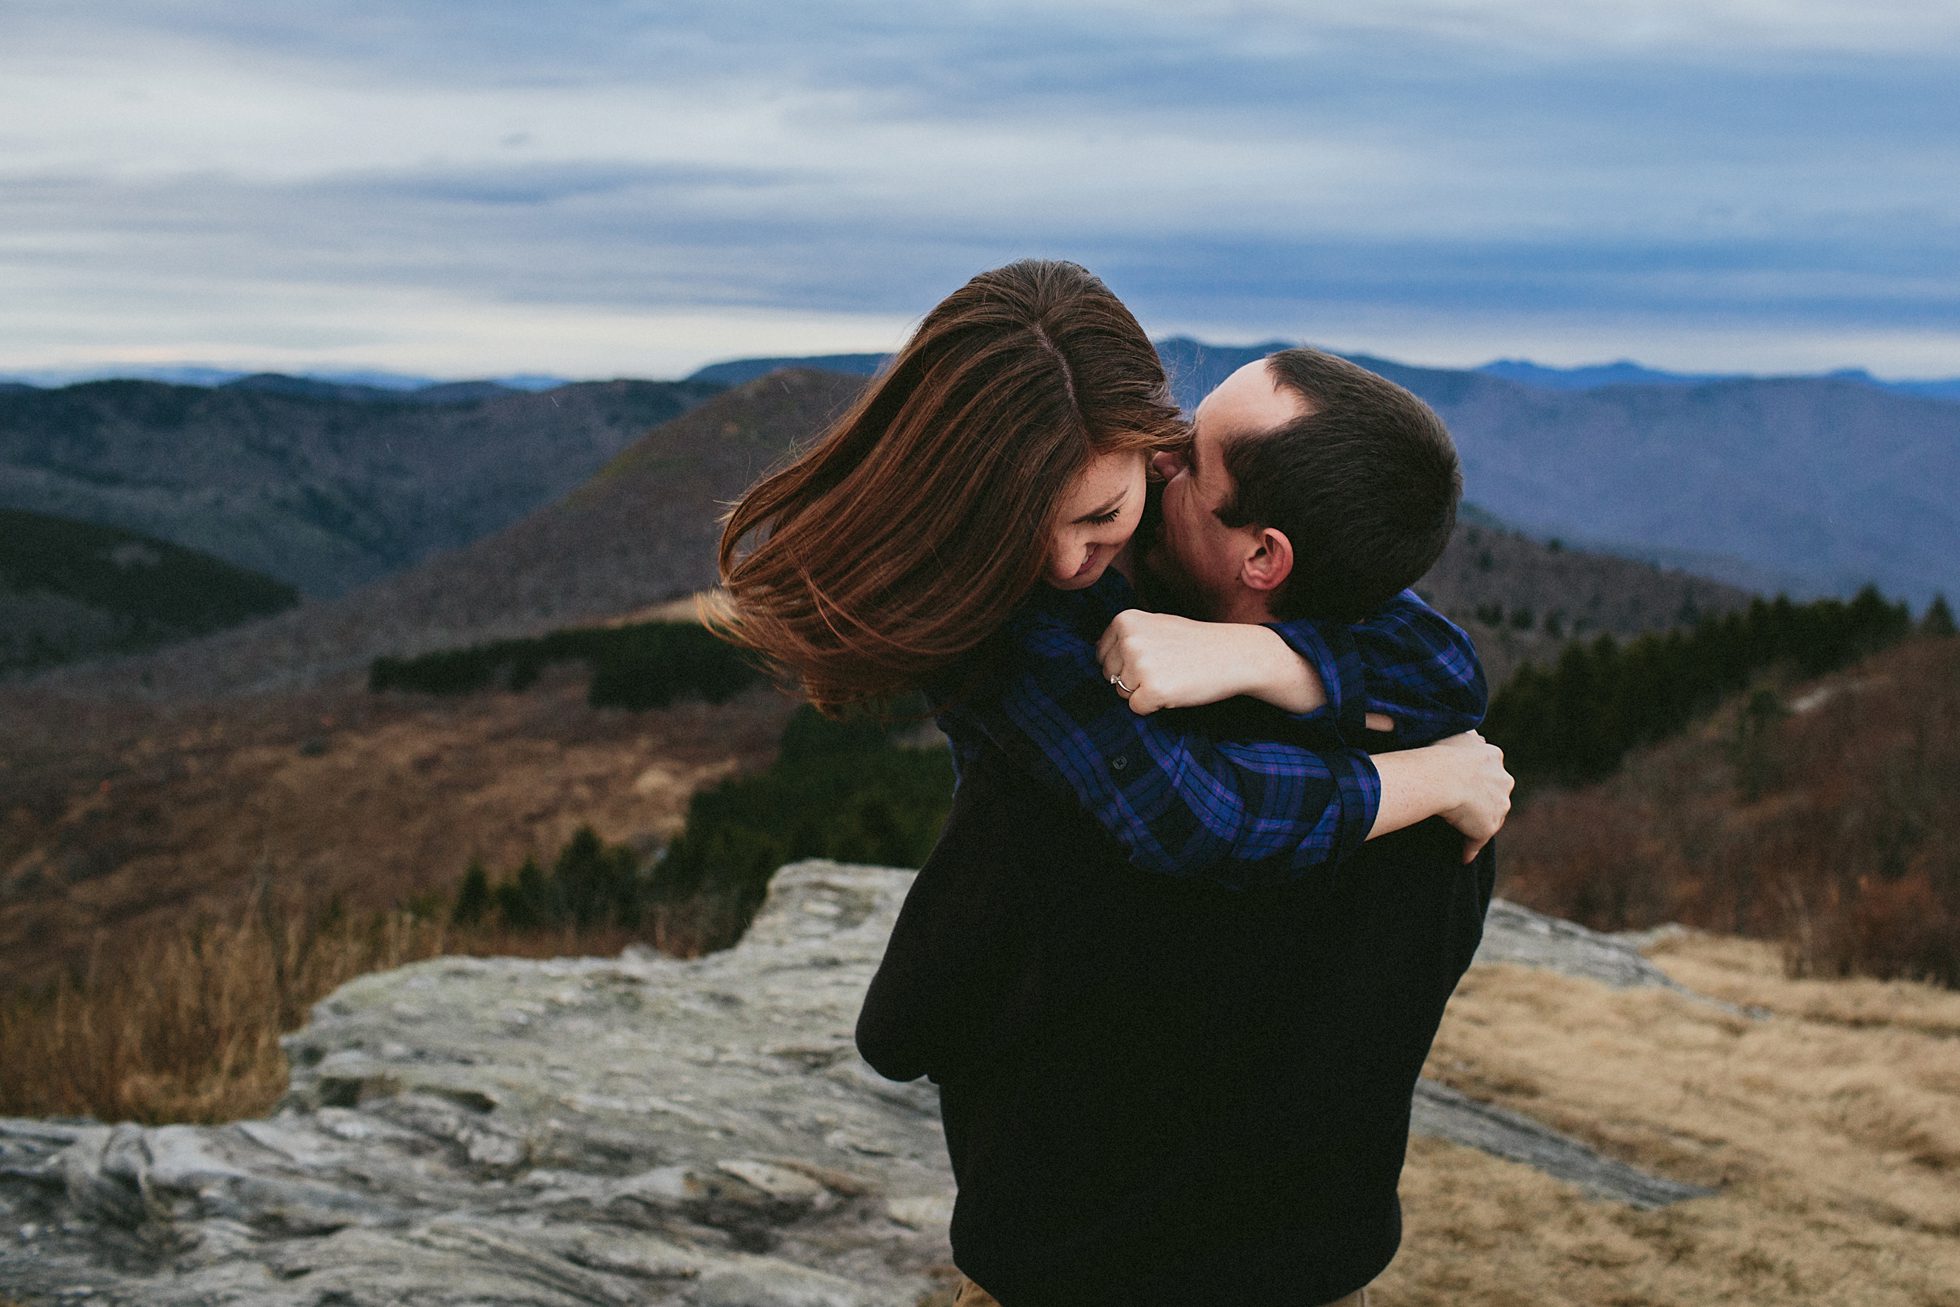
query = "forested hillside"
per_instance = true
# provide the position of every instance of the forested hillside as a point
(1815, 812)
(71, 590)
(316, 485)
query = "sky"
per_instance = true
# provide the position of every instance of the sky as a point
(601, 187)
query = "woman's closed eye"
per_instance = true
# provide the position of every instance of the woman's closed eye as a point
(1102, 519)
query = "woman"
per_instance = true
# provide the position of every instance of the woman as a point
(925, 513)
(1004, 450)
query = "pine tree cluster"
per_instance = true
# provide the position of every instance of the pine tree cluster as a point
(637, 666)
(1573, 722)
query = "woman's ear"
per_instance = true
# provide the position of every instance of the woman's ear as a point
(1268, 566)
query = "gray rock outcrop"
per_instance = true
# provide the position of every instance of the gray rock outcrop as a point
(580, 1131)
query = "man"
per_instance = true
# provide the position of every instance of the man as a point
(1156, 1091)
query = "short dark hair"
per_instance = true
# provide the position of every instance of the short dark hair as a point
(1365, 486)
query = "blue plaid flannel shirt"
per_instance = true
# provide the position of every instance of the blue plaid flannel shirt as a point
(1185, 802)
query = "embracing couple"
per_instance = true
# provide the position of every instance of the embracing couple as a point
(1219, 848)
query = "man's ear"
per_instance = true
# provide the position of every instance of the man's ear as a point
(1268, 566)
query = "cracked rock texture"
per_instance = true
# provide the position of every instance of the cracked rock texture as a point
(592, 1131)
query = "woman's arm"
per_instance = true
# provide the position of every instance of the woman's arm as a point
(1461, 779)
(1180, 803)
(1405, 668)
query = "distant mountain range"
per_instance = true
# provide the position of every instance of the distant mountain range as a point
(1628, 373)
(736, 371)
(1178, 349)
(197, 374)
(341, 488)
(377, 383)
(642, 530)
(1814, 485)
(324, 485)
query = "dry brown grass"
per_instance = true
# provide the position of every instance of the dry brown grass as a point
(1832, 1129)
(118, 822)
(185, 1025)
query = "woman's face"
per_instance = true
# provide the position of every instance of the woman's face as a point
(1099, 514)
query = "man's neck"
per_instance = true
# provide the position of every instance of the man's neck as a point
(1240, 606)
(1243, 605)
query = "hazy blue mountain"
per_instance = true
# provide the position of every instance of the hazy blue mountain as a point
(736, 371)
(175, 374)
(1812, 484)
(442, 392)
(1824, 484)
(1623, 373)
(1195, 367)
(301, 480)
(531, 381)
(195, 374)
(1628, 373)
(1948, 388)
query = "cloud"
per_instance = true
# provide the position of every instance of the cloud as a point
(1792, 169)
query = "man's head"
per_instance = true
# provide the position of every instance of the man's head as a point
(1312, 488)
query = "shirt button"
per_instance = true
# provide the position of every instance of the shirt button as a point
(1120, 762)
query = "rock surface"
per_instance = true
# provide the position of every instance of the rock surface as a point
(590, 1131)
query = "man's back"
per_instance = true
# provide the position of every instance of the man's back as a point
(1156, 1090)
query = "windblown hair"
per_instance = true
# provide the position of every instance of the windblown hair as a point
(1365, 486)
(909, 530)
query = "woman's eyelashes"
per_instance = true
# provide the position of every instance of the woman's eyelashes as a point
(1104, 519)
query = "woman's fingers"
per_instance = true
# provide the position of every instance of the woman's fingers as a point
(1129, 682)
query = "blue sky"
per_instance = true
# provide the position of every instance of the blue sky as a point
(593, 188)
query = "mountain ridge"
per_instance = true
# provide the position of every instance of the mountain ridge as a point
(317, 486)
(643, 529)
(1815, 485)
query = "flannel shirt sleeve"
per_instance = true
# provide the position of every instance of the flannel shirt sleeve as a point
(1406, 661)
(1242, 814)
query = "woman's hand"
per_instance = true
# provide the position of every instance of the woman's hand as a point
(1160, 660)
(1460, 779)
(1484, 788)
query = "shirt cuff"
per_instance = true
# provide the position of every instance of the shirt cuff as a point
(1332, 653)
(1360, 787)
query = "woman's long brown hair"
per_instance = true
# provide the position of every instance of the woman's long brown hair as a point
(909, 530)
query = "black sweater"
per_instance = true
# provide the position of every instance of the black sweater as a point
(1157, 1091)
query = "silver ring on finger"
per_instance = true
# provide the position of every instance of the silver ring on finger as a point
(1121, 688)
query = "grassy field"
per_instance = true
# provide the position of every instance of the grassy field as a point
(1831, 1129)
(185, 1025)
(124, 821)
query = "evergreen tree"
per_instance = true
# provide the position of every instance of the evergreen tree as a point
(473, 899)
(1939, 618)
